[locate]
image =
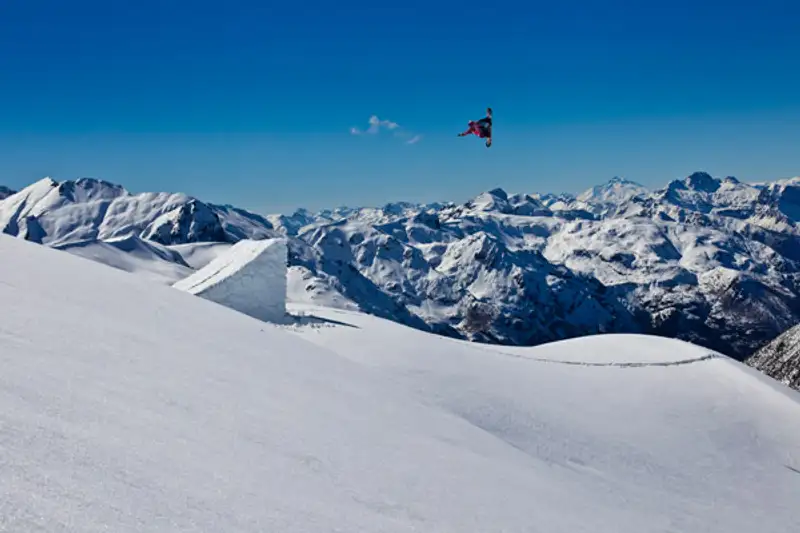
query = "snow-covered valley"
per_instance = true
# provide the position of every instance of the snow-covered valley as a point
(130, 405)
(712, 261)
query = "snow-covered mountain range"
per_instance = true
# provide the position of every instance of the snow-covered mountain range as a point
(712, 261)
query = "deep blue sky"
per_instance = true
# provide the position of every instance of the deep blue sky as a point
(251, 102)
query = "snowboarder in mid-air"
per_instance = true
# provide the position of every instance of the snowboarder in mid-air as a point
(482, 128)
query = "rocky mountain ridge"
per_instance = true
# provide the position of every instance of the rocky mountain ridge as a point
(712, 261)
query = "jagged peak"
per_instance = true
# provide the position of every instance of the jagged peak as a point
(45, 183)
(86, 181)
(617, 180)
(699, 175)
(702, 181)
(34, 192)
(5, 192)
(399, 205)
(562, 196)
(499, 193)
(676, 185)
(492, 200)
(615, 190)
(482, 241)
(90, 188)
(426, 218)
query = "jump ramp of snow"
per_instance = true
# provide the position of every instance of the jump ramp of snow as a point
(249, 277)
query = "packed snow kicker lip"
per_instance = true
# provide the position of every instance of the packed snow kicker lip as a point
(249, 277)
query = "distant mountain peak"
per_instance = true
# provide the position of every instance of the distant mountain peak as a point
(499, 193)
(615, 191)
(493, 200)
(5, 192)
(82, 189)
(702, 181)
(619, 179)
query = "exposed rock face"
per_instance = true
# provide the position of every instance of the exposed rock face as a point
(780, 359)
(5, 192)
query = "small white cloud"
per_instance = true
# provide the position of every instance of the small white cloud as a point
(376, 124)
(414, 140)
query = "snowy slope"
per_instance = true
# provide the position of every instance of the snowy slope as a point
(780, 359)
(5, 192)
(713, 261)
(134, 255)
(199, 254)
(673, 431)
(130, 406)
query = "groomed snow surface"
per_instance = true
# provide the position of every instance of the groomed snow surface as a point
(128, 405)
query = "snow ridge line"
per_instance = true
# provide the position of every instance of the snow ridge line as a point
(681, 362)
